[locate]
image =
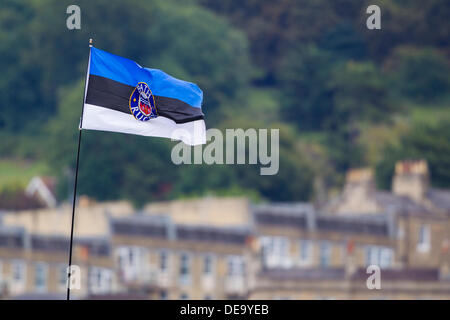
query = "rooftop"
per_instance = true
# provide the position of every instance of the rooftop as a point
(292, 274)
(164, 227)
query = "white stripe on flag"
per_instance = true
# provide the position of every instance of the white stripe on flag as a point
(104, 119)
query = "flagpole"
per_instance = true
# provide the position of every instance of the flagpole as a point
(69, 271)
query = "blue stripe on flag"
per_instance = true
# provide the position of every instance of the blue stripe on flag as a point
(128, 72)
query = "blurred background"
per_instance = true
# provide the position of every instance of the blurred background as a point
(364, 175)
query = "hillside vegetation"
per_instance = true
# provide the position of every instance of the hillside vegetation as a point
(342, 95)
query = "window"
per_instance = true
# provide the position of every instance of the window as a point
(131, 262)
(208, 262)
(163, 261)
(100, 280)
(62, 277)
(380, 256)
(423, 244)
(184, 296)
(40, 276)
(371, 255)
(385, 257)
(325, 253)
(236, 266)
(275, 251)
(305, 252)
(163, 295)
(18, 272)
(184, 267)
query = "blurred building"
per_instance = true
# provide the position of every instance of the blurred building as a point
(225, 248)
(323, 254)
(42, 189)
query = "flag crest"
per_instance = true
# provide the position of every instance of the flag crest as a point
(142, 103)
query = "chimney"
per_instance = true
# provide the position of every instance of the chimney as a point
(411, 179)
(359, 184)
(85, 201)
(360, 178)
(357, 196)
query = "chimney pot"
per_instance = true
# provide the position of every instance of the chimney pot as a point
(411, 179)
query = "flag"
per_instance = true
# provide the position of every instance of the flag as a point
(122, 96)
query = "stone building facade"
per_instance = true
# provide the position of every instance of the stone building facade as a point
(226, 248)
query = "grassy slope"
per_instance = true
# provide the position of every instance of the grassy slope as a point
(14, 172)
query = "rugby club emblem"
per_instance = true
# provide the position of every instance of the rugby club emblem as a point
(142, 103)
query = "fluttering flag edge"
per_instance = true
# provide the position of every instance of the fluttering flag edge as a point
(103, 119)
(106, 107)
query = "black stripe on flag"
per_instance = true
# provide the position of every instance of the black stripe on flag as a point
(107, 93)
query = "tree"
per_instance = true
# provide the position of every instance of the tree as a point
(39, 54)
(307, 95)
(274, 27)
(19, 83)
(408, 23)
(421, 74)
(197, 45)
(423, 141)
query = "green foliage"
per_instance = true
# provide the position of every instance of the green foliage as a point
(63, 127)
(15, 174)
(39, 54)
(274, 26)
(359, 94)
(202, 48)
(410, 23)
(344, 42)
(19, 79)
(294, 179)
(307, 96)
(423, 141)
(339, 93)
(323, 92)
(421, 74)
